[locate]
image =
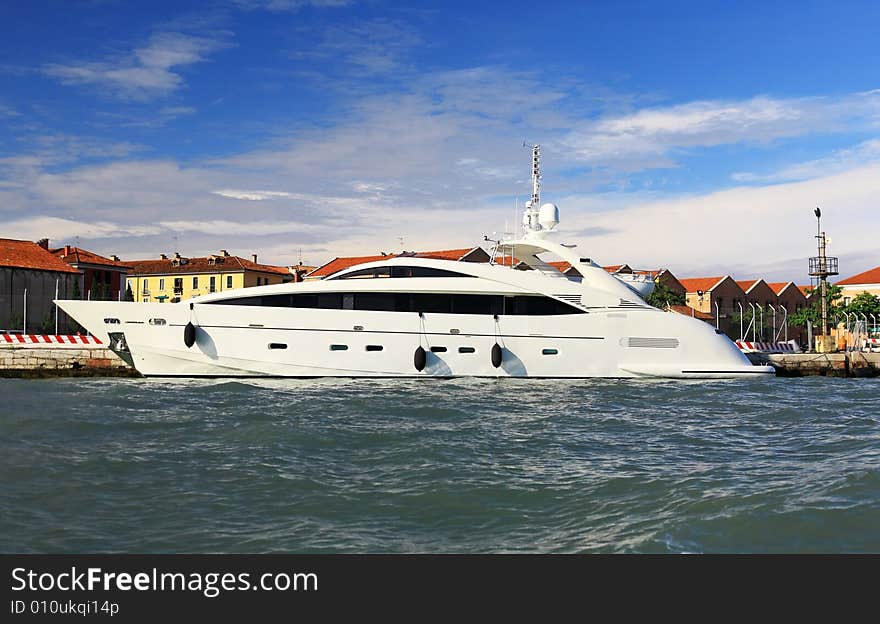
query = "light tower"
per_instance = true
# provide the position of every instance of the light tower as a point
(821, 267)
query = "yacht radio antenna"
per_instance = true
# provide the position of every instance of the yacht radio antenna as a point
(531, 220)
(536, 174)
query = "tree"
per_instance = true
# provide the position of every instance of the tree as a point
(47, 326)
(761, 331)
(863, 304)
(813, 313)
(129, 296)
(663, 295)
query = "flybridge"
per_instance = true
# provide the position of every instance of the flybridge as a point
(538, 222)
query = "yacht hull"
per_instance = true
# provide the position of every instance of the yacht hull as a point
(353, 343)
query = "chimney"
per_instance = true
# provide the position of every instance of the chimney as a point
(254, 258)
(67, 250)
(163, 257)
(44, 243)
(114, 257)
(224, 253)
(177, 255)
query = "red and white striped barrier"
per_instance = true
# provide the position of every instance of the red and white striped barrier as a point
(45, 340)
(768, 347)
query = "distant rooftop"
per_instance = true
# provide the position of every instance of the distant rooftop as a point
(871, 276)
(222, 262)
(21, 254)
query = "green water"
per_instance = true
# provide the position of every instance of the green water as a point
(130, 465)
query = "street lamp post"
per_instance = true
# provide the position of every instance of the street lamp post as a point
(752, 322)
(741, 337)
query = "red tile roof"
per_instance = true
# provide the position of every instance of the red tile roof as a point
(446, 254)
(778, 287)
(21, 254)
(561, 265)
(82, 256)
(749, 284)
(804, 290)
(225, 264)
(689, 311)
(508, 261)
(871, 276)
(339, 264)
(705, 284)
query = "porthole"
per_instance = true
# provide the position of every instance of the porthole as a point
(277, 345)
(438, 349)
(338, 347)
(466, 350)
(374, 347)
(111, 321)
(549, 351)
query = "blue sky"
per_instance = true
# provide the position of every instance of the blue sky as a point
(693, 135)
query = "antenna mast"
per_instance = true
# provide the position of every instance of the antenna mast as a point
(530, 215)
(536, 175)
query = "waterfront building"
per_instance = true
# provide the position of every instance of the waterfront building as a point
(867, 281)
(664, 277)
(719, 294)
(178, 278)
(757, 292)
(768, 316)
(808, 293)
(790, 295)
(103, 278)
(30, 277)
(689, 311)
(470, 254)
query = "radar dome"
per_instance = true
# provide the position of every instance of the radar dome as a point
(548, 216)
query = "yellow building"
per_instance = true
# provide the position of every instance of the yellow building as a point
(868, 281)
(179, 278)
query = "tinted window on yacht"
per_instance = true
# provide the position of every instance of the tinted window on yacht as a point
(389, 302)
(531, 305)
(399, 271)
(445, 303)
(478, 304)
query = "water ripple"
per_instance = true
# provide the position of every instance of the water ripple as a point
(118, 465)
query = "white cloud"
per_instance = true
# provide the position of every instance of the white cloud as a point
(740, 227)
(145, 73)
(439, 162)
(246, 228)
(366, 49)
(650, 137)
(251, 195)
(6, 111)
(836, 162)
(279, 6)
(67, 229)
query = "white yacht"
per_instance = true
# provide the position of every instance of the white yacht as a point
(417, 317)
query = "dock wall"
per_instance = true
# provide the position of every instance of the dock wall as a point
(848, 364)
(68, 361)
